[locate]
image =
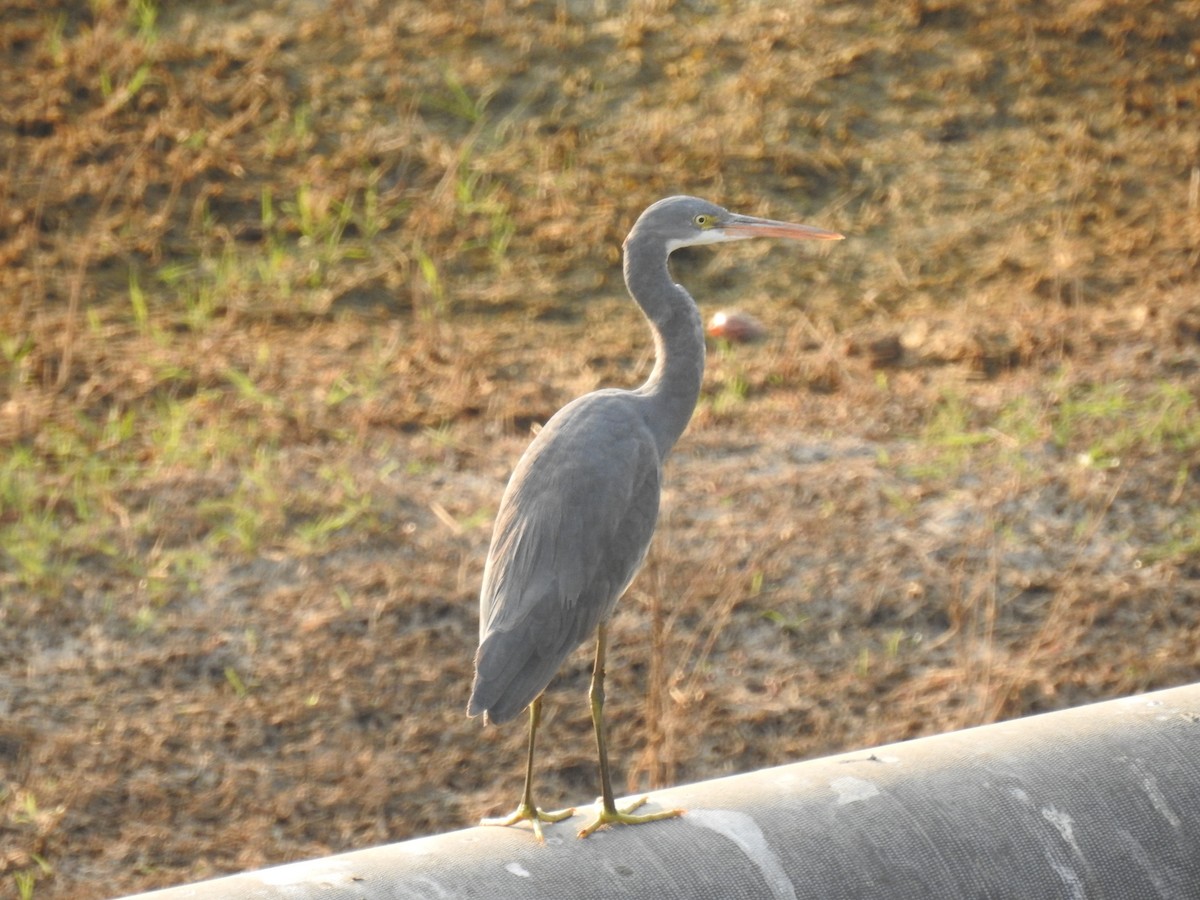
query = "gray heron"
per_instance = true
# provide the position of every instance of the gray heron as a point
(576, 519)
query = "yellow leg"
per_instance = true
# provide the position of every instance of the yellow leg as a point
(608, 814)
(527, 811)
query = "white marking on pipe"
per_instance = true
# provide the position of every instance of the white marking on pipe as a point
(311, 871)
(433, 889)
(745, 833)
(853, 790)
(1157, 799)
(1065, 825)
(1070, 880)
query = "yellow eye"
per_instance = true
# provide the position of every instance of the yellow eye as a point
(703, 221)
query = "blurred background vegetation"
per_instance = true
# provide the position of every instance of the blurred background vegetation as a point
(284, 285)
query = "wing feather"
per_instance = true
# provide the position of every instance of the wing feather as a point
(573, 529)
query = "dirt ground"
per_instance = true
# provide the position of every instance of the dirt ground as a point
(284, 287)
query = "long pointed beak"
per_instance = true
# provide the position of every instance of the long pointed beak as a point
(738, 227)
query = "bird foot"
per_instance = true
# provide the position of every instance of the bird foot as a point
(527, 812)
(621, 816)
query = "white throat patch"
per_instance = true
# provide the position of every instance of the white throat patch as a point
(712, 236)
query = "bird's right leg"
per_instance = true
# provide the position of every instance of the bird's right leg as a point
(609, 813)
(527, 811)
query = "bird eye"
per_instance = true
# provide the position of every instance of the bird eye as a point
(702, 220)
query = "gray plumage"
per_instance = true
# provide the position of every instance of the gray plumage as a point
(578, 514)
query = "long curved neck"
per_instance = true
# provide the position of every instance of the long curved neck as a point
(671, 391)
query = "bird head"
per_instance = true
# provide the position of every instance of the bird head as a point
(689, 221)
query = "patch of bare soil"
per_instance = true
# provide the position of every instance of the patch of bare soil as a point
(284, 286)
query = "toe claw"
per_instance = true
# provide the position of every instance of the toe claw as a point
(623, 816)
(532, 814)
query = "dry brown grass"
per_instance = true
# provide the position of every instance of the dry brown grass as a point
(277, 287)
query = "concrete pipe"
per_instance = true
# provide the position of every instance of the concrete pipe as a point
(1101, 801)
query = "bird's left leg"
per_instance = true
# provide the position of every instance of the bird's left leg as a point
(527, 811)
(609, 814)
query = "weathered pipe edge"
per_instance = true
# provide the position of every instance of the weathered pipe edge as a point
(1100, 801)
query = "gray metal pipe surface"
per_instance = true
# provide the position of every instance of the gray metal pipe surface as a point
(1101, 801)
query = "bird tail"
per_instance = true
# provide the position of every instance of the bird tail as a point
(505, 683)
